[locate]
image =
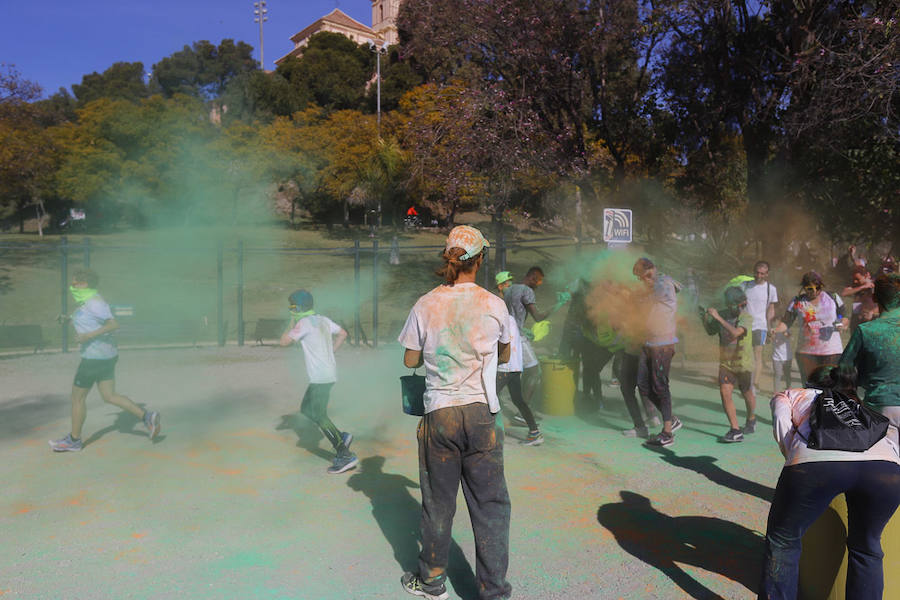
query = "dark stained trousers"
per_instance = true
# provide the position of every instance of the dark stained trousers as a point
(464, 444)
(315, 408)
(513, 380)
(653, 377)
(628, 378)
(872, 490)
(594, 358)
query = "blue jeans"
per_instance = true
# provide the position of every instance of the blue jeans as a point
(872, 489)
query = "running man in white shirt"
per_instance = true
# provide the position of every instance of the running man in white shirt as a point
(319, 337)
(94, 323)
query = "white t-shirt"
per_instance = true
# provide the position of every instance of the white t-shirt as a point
(759, 296)
(91, 316)
(514, 365)
(457, 328)
(781, 347)
(315, 334)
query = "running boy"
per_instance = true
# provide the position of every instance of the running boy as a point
(94, 324)
(735, 359)
(315, 334)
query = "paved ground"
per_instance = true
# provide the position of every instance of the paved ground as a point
(233, 500)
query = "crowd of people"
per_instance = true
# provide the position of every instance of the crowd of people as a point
(473, 343)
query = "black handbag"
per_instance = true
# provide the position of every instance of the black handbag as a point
(412, 390)
(837, 422)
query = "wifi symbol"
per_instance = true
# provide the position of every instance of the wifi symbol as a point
(617, 225)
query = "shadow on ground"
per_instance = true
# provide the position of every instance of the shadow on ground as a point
(21, 415)
(661, 541)
(308, 435)
(124, 423)
(705, 465)
(397, 514)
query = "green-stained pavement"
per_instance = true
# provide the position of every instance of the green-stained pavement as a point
(233, 500)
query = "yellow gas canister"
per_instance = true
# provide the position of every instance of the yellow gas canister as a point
(823, 564)
(557, 387)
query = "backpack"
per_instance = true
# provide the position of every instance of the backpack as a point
(838, 422)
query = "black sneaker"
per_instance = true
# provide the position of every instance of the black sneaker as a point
(676, 424)
(414, 585)
(734, 435)
(346, 439)
(750, 426)
(662, 439)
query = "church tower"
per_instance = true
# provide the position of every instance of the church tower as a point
(384, 19)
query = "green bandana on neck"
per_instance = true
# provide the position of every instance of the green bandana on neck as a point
(296, 316)
(82, 295)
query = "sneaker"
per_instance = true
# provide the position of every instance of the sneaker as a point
(750, 426)
(676, 424)
(519, 420)
(653, 422)
(343, 463)
(661, 439)
(151, 421)
(636, 432)
(734, 435)
(346, 439)
(414, 585)
(66, 444)
(534, 438)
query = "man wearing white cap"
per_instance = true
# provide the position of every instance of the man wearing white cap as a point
(460, 332)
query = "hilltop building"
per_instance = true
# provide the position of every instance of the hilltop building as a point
(384, 27)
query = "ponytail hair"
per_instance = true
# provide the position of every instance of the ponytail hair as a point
(453, 266)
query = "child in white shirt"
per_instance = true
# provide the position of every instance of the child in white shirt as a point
(319, 337)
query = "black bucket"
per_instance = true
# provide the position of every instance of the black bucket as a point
(412, 388)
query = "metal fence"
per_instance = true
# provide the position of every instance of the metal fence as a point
(230, 291)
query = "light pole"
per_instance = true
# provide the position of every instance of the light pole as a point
(378, 48)
(259, 16)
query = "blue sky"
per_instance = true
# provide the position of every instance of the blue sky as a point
(55, 42)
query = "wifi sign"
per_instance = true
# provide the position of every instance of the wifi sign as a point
(617, 225)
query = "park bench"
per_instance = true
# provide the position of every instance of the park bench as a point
(168, 331)
(269, 329)
(22, 336)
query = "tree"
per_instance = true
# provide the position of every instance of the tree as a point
(397, 77)
(468, 145)
(121, 81)
(579, 65)
(842, 121)
(203, 70)
(28, 155)
(332, 72)
(331, 153)
(144, 161)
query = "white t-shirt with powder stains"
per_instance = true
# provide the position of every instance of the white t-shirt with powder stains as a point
(457, 328)
(315, 334)
(514, 364)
